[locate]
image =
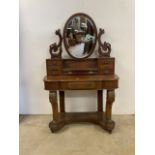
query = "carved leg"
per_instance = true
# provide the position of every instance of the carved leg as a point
(53, 100)
(62, 101)
(100, 100)
(55, 124)
(109, 101)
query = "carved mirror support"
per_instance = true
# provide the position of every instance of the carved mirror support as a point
(104, 49)
(56, 49)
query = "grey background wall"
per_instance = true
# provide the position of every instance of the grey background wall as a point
(38, 22)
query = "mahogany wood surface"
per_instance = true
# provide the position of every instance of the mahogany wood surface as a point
(100, 100)
(81, 74)
(62, 101)
(88, 74)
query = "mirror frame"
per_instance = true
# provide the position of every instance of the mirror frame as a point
(95, 32)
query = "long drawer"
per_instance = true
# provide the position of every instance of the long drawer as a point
(81, 85)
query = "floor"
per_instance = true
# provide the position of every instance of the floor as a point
(76, 139)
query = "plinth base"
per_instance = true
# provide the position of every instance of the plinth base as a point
(92, 117)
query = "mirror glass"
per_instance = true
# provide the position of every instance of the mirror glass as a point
(80, 36)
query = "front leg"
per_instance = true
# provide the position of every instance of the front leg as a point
(54, 103)
(109, 101)
(55, 124)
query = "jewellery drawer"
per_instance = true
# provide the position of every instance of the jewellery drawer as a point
(54, 67)
(106, 70)
(106, 61)
(55, 72)
(53, 62)
(106, 66)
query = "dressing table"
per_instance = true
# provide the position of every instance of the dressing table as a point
(81, 72)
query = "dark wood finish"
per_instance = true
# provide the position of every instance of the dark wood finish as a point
(96, 82)
(92, 117)
(95, 31)
(56, 49)
(109, 102)
(84, 82)
(62, 101)
(53, 100)
(100, 100)
(93, 66)
(81, 74)
(104, 49)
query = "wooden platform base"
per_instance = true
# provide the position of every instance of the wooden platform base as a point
(92, 117)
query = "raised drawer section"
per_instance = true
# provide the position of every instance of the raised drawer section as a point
(80, 67)
(54, 67)
(106, 66)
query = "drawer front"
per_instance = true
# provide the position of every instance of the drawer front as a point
(80, 85)
(110, 84)
(108, 61)
(55, 72)
(54, 67)
(54, 62)
(106, 66)
(51, 85)
(107, 70)
(51, 72)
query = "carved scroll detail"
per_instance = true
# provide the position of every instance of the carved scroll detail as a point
(109, 102)
(104, 49)
(111, 95)
(53, 100)
(56, 49)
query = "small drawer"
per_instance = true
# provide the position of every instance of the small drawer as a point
(108, 71)
(51, 85)
(53, 63)
(55, 67)
(110, 84)
(79, 85)
(110, 66)
(107, 62)
(55, 72)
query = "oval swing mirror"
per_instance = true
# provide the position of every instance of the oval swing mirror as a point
(80, 36)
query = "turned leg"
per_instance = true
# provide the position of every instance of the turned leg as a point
(62, 101)
(109, 101)
(100, 100)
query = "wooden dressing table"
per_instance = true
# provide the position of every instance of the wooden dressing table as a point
(81, 73)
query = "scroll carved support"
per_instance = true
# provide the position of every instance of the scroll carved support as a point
(56, 124)
(54, 103)
(56, 49)
(110, 99)
(104, 49)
